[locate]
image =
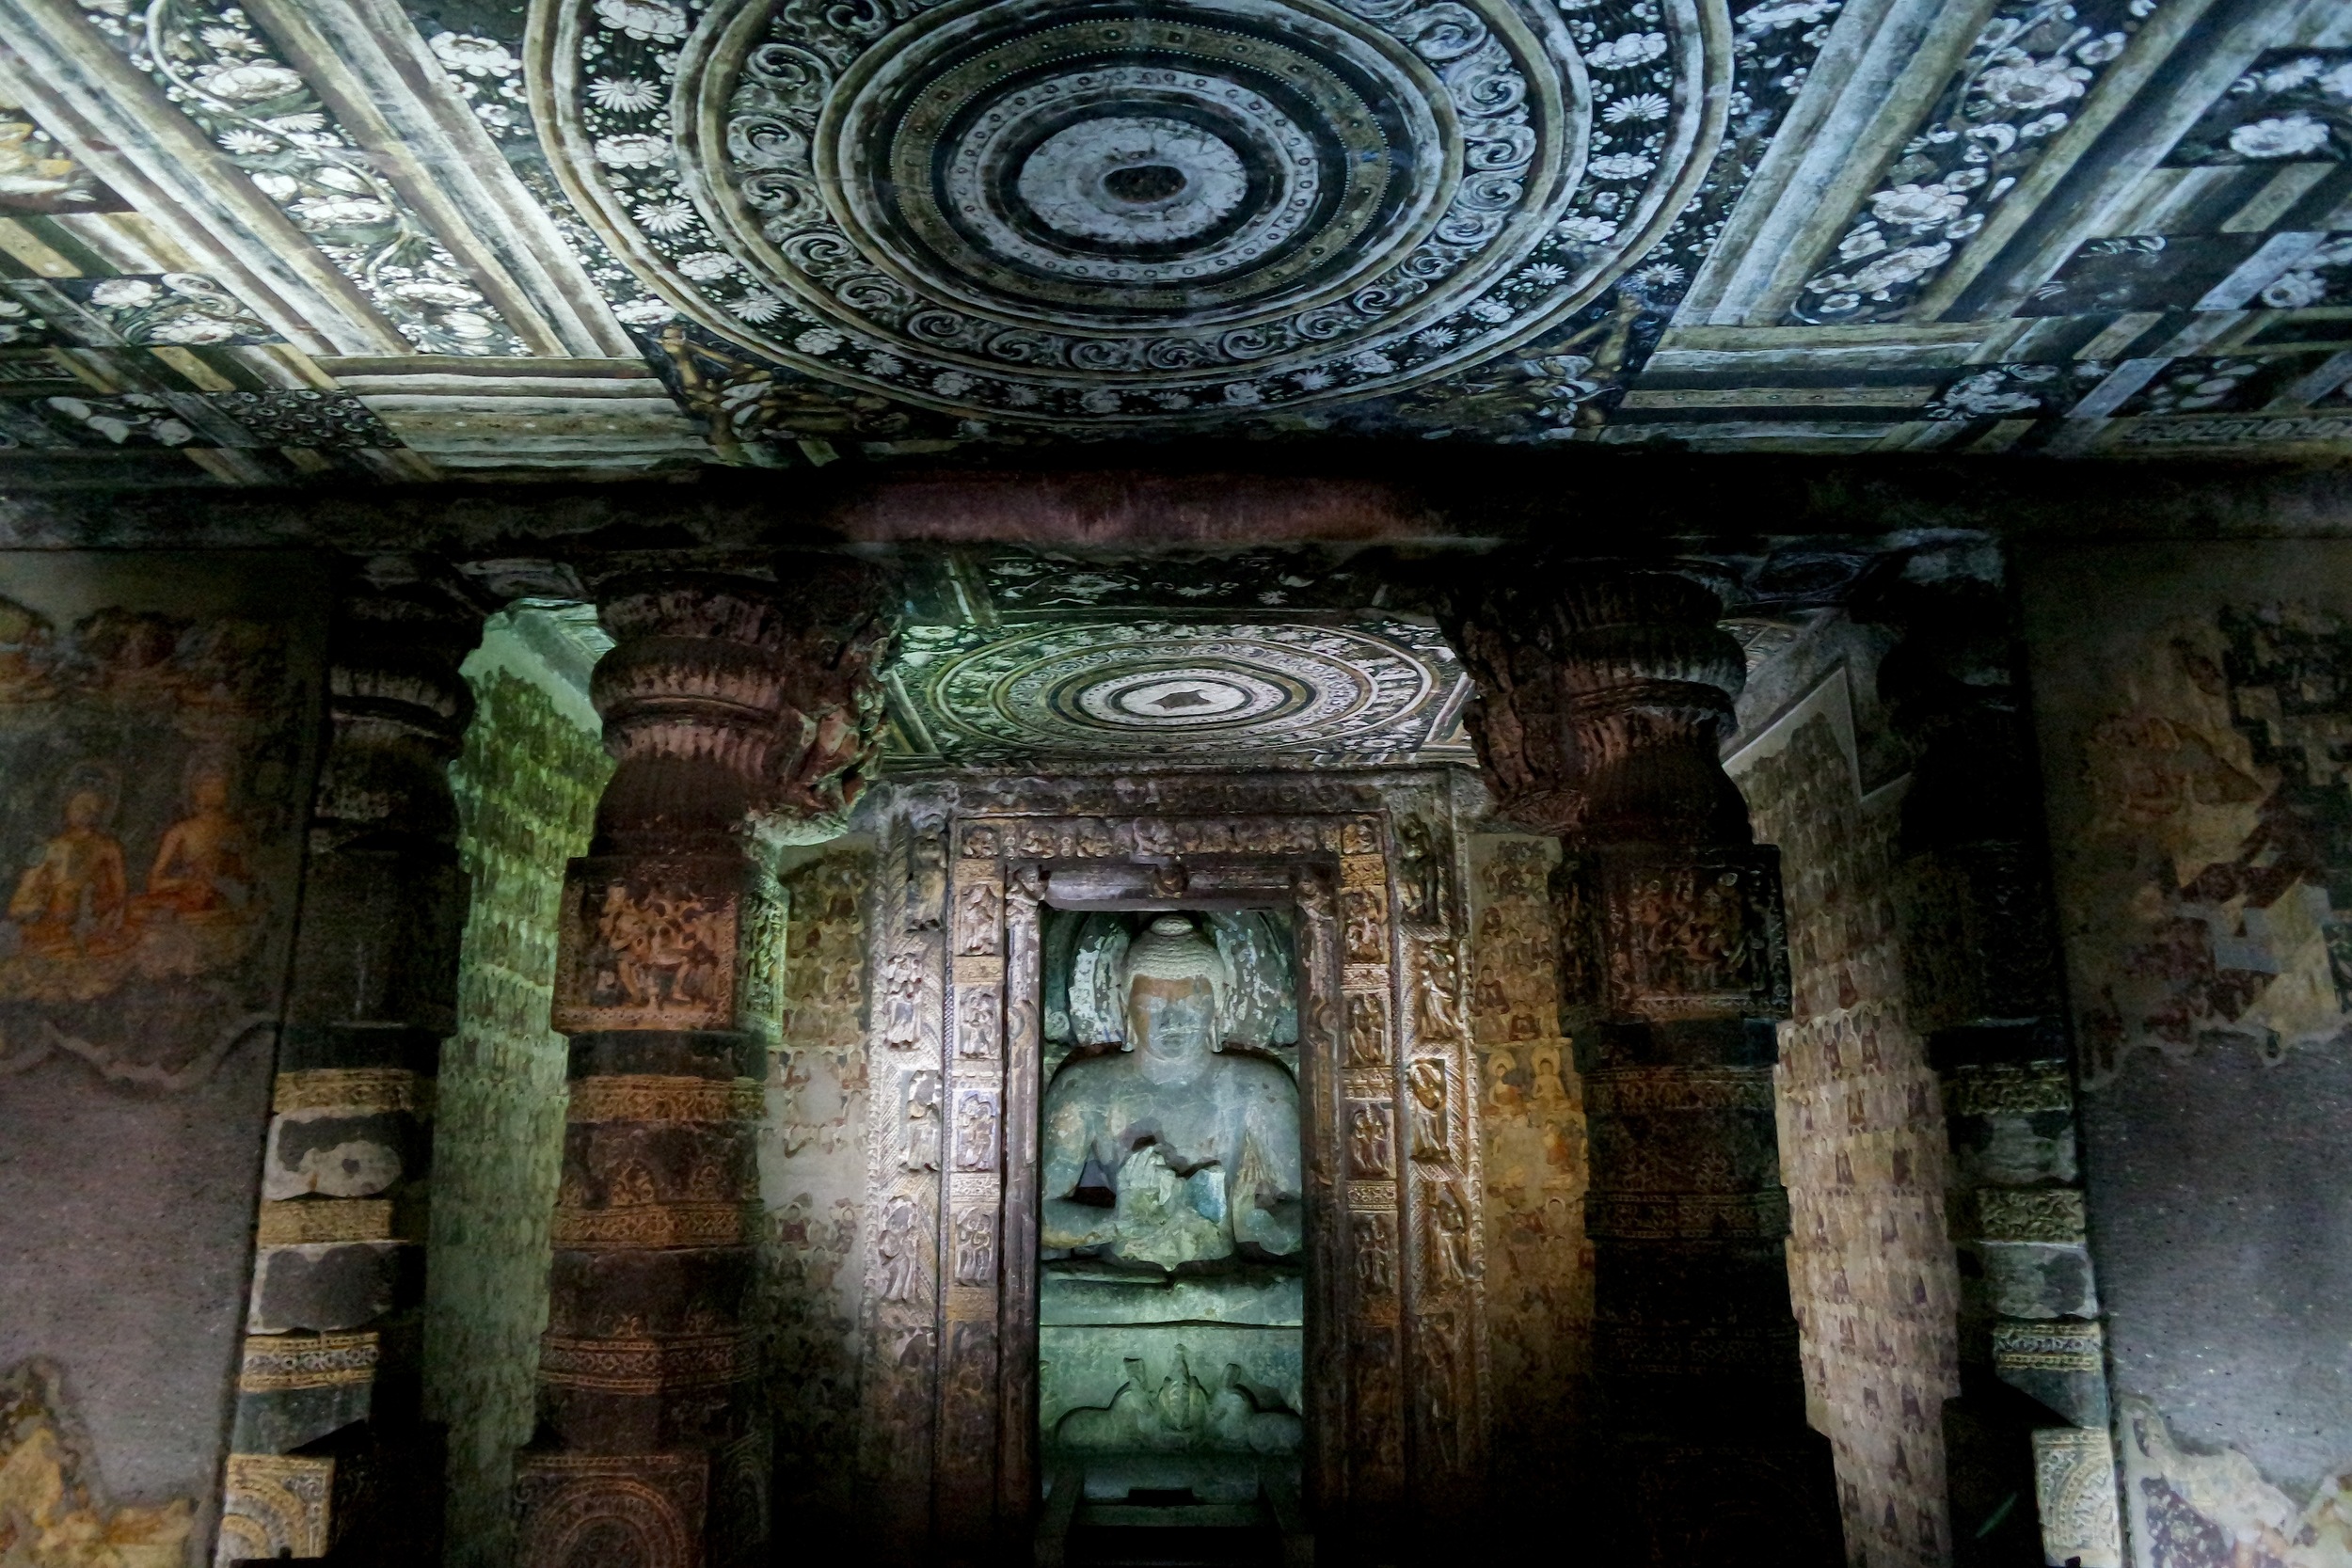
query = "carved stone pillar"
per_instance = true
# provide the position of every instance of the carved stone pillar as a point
(1603, 693)
(330, 1457)
(1982, 962)
(737, 712)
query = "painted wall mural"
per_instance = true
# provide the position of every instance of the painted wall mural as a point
(157, 724)
(55, 1511)
(2193, 749)
(152, 771)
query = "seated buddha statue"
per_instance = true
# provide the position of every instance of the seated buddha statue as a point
(1197, 1149)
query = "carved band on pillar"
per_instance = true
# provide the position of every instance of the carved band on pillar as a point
(737, 712)
(1604, 692)
(330, 1456)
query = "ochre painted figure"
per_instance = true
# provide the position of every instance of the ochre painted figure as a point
(70, 903)
(200, 867)
(1199, 1147)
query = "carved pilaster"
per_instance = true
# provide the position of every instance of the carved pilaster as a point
(1603, 695)
(1981, 961)
(330, 1382)
(737, 712)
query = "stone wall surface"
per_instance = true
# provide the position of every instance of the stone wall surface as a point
(525, 786)
(1863, 1152)
(2195, 735)
(157, 745)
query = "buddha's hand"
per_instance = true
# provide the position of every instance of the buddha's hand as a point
(1147, 1186)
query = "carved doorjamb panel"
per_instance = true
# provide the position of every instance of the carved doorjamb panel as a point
(1396, 1351)
(908, 1149)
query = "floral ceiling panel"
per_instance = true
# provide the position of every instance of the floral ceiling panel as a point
(262, 242)
(1334, 692)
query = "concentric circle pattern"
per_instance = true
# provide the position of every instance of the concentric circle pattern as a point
(1181, 688)
(1094, 210)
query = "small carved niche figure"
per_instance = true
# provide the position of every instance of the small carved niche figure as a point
(926, 877)
(1448, 1238)
(1374, 1241)
(1435, 990)
(922, 1108)
(976, 1130)
(976, 1246)
(1368, 1139)
(1440, 1400)
(977, 1026)
(1366, 937)
(902, 984)
(1432, 1140)
(1367, 1029)
(900, 1250)
(980, 917)
(1419, 881)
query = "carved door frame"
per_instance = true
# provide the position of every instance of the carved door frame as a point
(1395, 1351)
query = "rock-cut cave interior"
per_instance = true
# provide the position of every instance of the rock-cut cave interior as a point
(954, 784)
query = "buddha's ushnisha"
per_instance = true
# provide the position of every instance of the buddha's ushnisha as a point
(1200, 1148)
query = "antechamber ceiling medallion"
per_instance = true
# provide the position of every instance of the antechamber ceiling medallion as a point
(1081, 210)
(1376, 692)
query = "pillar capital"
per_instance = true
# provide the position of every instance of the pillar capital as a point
(1604, 688)
(737, 705)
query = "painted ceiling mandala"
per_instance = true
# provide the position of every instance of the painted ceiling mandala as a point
(1036, 211)
(1378, 691)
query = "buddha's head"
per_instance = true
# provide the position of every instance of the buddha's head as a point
(1176, 984)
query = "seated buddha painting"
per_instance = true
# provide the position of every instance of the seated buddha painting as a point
(1171, 1235)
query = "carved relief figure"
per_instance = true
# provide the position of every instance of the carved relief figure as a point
(1435, 992)
(1440, 1399)
(1178, 1413)
(1432, 1140)
(1368, 1139)
(902, 1016)
(927, 878)
(1367, 1029)
(921, 1117)
(976, 1026)
(1170, 1150)
(900, 1250)
(1692, 932)
(1366, 932)
(1420, 882)
(976, 1130)
(1448, 1238)
(980, 919)
(658, 949)
(976, 1246)
(1374, 1242)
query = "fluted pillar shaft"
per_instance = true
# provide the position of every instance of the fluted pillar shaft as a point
(1603, 693)
(737, 712)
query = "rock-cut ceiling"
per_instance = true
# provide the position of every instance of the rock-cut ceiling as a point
(615, 236)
